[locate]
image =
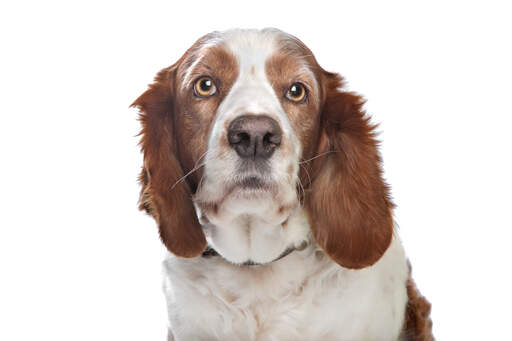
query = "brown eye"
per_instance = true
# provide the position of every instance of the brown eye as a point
(296, 93)
(204, 87)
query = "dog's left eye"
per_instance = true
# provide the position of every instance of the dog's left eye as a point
(204, 87)
(296, 93)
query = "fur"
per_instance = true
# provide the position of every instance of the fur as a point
(320, 193)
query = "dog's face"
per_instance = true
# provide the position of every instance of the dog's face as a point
(246, 139)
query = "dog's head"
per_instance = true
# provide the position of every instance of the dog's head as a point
(246, 137)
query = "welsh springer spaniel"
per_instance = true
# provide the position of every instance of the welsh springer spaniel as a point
(264, 177)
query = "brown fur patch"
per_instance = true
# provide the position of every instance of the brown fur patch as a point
(417, 325)
(349, 205)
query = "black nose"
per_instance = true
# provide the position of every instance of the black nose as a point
(254, 136)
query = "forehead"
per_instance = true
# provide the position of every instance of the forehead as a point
(246, 50)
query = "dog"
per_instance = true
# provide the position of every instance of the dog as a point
(264, 177)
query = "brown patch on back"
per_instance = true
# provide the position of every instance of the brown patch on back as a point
(417, 325)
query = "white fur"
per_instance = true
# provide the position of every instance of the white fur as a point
(248, 225)
(303, 296)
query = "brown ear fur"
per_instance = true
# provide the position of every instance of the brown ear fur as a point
(163, 196)
(349, 205)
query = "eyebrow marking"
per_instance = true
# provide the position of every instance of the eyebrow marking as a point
(205, 65)
(191, 69)
(186, 80)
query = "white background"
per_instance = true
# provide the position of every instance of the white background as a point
(78, 261)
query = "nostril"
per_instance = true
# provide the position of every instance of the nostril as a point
(272, 139)
(243, 137)
(239, 138)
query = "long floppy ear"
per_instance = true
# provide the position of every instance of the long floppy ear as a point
(349, 206)
(163, 195)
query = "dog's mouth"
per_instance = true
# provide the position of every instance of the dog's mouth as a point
(210, 252)
(244, 187)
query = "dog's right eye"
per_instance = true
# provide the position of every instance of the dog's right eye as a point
(296, 93)
(204, 87)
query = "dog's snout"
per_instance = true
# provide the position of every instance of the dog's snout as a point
(254, 136)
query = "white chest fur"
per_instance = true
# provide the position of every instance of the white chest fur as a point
(304, 296)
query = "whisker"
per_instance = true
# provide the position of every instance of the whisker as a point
(303, 192)
(183, 177)
(306, 170)
(322, 154)
(196, 167)
(200, 182)
(199, 159)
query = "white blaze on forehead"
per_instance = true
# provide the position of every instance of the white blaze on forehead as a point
(252, 92)
(252, 88)
(252, 47)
